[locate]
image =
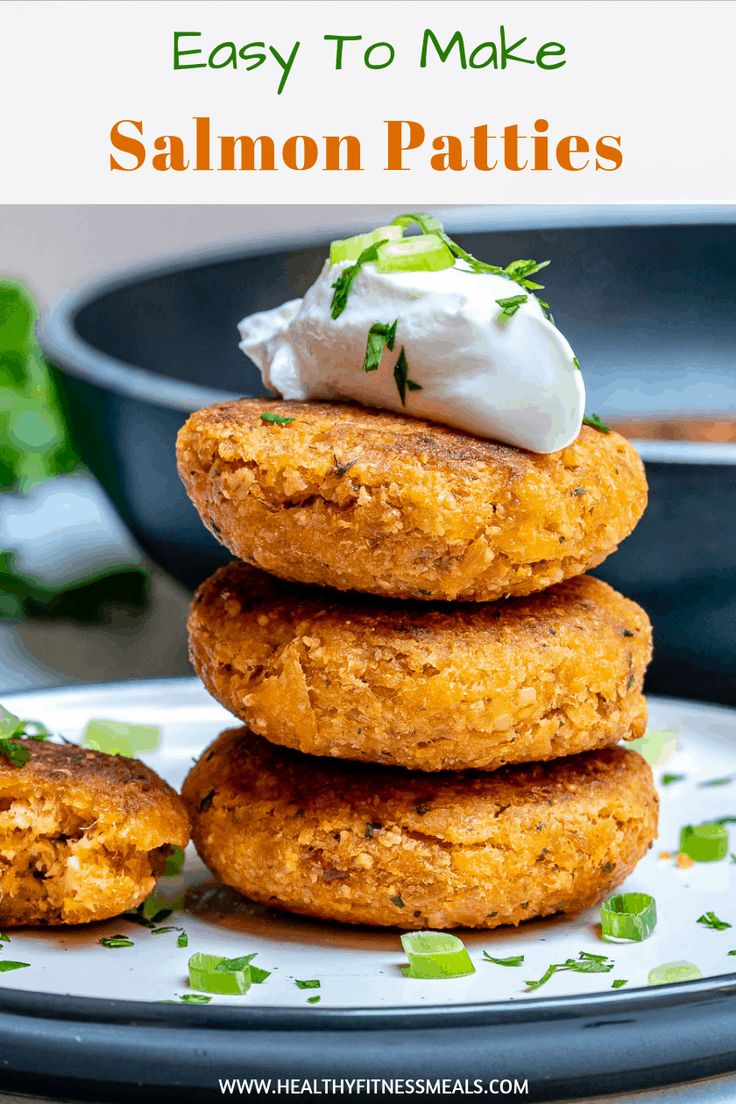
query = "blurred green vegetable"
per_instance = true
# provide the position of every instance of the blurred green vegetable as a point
(35, 445)
(34, 440)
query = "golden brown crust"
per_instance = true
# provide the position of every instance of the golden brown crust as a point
(425, 686)
(380, 845)
(80, 834)
(361, 499)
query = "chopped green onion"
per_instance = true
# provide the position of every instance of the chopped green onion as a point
(717, 781)
(576, 363)
(349, 249)
(310, 983)
(655, 747)
(207, 974)
(118, 738)
(428, 224)
(619, 983)
(6, 965)
(314, 1000)
(628, 916)
(194, 998)
(732, 952)
(673, 972)
(710, 920)
(162, 931)
(435, 955)
(512, 960)
(381, 336)
(704, 842)
(594, 421)
(669, 779)
(425, 253)
(116, 941)
(724, 820)
(174, 861)
(510, 306)
(182, 940)
(275, 419)
(401, 376)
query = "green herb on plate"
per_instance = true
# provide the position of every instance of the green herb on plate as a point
(116, 941)
(182, 940)
(344, 281)
(710, 920)
(717, 781)
(314, 1000)
(512, 960)
(670, 779)
(194, 998)
(174, 861)
(619, 983)
(585, 963)
(6, 965)
(275, 419)
(308, 983)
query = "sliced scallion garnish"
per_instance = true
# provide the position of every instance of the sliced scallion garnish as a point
(207, 974)
(424, 253)
(628, 916)
(116, 941)
(672, 972)
(349, 249)
(704, 842)
(435, 955)
(119, 738)
(174, 861)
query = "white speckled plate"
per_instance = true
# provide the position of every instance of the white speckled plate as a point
(361, 966)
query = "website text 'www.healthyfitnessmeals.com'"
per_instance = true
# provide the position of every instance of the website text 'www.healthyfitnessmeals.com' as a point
(360, 1086)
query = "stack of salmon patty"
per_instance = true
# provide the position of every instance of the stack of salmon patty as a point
(433, 690)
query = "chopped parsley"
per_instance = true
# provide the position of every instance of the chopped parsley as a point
(401, 375)
(512, 960)
(724, 820)
(16, 754)
(398, 901)
(174, 861)
(162, 931)
(717, 781)
(344, 281)
(314, 1000)
(195, 998)
(182, 940)
(576, 362)
(309, 983)
(594, 421)
(585, 963)
(4, 937)
(510, 306)
(668, 779)
(710, 920)
(6, 965)
(115, 941)
(275, 419)
(619, 983)
(381, 336)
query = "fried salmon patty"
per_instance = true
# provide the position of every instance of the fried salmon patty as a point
(82, 834)
(381, 845)
(426, 686)
(361, 499)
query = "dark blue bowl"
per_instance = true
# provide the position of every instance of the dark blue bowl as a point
(649, 306)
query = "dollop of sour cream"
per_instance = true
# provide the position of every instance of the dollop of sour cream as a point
(510, 379)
